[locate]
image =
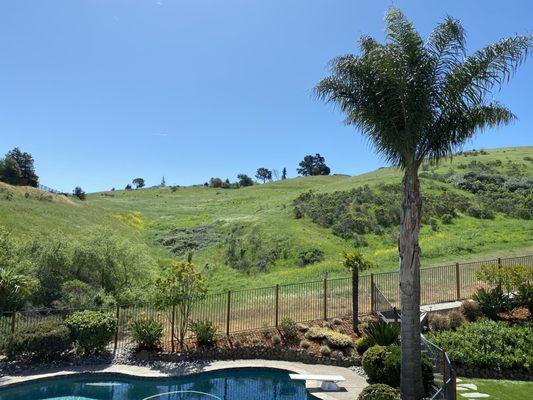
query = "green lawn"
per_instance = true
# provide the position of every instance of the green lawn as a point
(500, 389)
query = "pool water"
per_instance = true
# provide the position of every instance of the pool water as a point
(230, 384)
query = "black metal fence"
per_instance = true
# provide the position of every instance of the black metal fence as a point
(252, 309)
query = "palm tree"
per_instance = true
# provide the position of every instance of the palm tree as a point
(419, 100)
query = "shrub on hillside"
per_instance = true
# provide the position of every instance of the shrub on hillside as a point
(91, 331)
(471, 311)
(381, 333)
(479, 212)
(204, 332)
(488, 344)
(383, 365)
(44, 341)
(310, 256)
(289, 328)
(147, 333)
(492, 301)
(379, 391)
(363, 344)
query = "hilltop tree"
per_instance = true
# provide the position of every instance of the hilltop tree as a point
(163, 183)
(284, 173)
(245, 180)
(128, 187)
(263, 174)
(25, 162)
(79, 193)
(419, 100)
(138, 182)
(10, 171)
(313, 165)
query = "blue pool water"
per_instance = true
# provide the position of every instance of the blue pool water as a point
(232, 384)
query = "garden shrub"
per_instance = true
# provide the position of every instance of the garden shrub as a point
(382, 364)
(447, 219)
(382, 334)
(204, 332)
(489, 344)
(337, 321)
(363, 344)
(456, 319)
(310, 256)
(146, 332)
(276, 340)
(289, 328)
(317, 333)
(304, 344)
(491, 301)
(379, 391)
(91, 331)
(339, 340)
(509, 277)
(44, 341)
(524, 297)
(471, 311)
(438, 322)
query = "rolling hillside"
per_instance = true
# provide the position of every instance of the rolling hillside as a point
(254, 236)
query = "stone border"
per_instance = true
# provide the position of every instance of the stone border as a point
(351, 388)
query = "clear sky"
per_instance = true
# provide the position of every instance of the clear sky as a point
(103, 91)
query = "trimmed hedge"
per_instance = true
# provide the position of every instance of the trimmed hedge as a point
(379, 391)
(383, 364)
(44, 340)
(489, 344)
(91, 330)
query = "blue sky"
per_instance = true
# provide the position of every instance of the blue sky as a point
(103, 91)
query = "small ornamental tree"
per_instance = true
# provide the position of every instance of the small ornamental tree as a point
(79, 193)
(138, 182)
(264, 174)
(355, 262)
(179, 287)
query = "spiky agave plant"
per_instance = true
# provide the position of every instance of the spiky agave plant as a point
(419, 100)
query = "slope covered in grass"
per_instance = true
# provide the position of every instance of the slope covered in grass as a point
(250, 236)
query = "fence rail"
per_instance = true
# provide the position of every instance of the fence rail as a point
(251, 309)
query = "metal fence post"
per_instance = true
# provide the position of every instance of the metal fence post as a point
(13, 322)
(228, 313)
(372, 293)
(117, 321)
(457, 281)
(172, 324)
(326, 296)
(277, 305)
(443, 355)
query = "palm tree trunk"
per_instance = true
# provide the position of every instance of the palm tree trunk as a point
(355, 299)
(412, 387)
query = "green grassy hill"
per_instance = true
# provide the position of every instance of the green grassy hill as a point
(260, 219)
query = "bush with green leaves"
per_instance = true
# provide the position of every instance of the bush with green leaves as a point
(379, 391)
(91, 331)
(488, 344)
(524, 297)
(276, 340)
(338, 340)
(44, 341)
(492, 301)
(289, 328)
(382, 364)
(204, 332)
(310, 256)
(382, 334)
(146, 332)
(304, 344)
(363, 344)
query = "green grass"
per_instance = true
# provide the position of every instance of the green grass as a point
(500, 389)
(267, 209)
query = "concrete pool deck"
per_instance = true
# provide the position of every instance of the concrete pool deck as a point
(350, 388)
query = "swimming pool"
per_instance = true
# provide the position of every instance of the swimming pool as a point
(229, 384)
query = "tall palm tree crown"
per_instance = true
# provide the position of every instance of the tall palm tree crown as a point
(417, 100)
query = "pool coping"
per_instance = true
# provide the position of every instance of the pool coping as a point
(350, 388)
